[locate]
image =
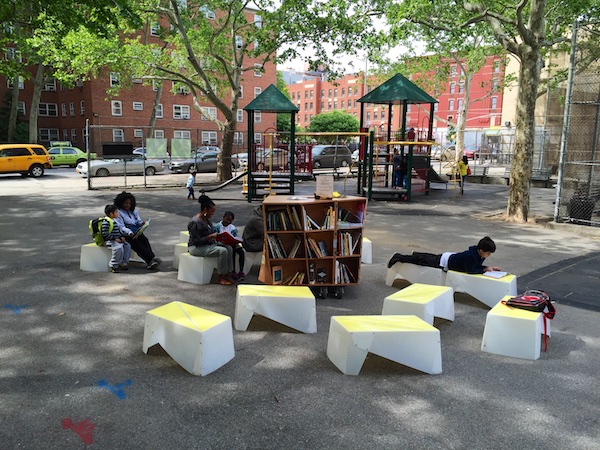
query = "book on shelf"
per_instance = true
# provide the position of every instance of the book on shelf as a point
(313, 248)
(323, 248)
(322, 275)
(356, 243)
(276, 247)
(312, 273)
(295, 247)
(297, 278)
(277, 275)
(295, 217)
(228, 239)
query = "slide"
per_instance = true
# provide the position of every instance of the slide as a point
(424, 170)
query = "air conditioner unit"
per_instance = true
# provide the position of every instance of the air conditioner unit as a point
(185, 116)
(79, 83)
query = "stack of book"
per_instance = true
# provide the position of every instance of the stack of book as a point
(316, 249)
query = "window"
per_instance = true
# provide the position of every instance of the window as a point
(138, 106)
(114, 81)
(50, 85)
(258, 71)
(13, 53)
(461, 87)
(460, 104)
(375, 115)
(452, 88)
(155, 85)
(322, 93)
(181, 112)
(258, 138)
(65, 137)
(209, 137)
(329, 104)
(496, 66)
(118, 135)
(335, 104)
(239, 42)
(451, 105)
(116, 107)
(48, 134)
(181, 134)
(310, 106)
(257, 117)
(311, 94)
(21, 108)
(240, 115)
(368, 115)
(71, 109)
(138, 133)
(322, 105)
(238, 138)
(305, 95)
(293, 96)
(9, 83)
(258, 91)
(159, 134)
(453, 71)
(208, 113)
(241, 91)
(73, 134)
(257, 21)
(81, 107)
(155, 29)
(335, 93)
(329, 94)
(184, 90)
(306, 106)
(63, 109)
(208, 13)
(159, 111)
(305, 117)
(343, 91)
(48, 110)
(495, 85)
(494, 102)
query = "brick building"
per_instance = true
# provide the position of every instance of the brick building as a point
(126, 117)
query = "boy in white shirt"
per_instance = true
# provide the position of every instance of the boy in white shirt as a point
(227, 225)
(190, 186)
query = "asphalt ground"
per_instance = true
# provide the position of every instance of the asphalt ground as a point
(71, 342)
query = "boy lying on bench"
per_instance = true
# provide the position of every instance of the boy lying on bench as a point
(469, 261)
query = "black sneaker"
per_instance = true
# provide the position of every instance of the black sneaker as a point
(114, 269)
(153, 264)
(124, 267)
(396, 258)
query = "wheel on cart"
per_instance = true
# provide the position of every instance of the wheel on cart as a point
(321, 292)
(335, 292)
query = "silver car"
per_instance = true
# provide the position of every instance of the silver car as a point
(204, 162)
(135, 166)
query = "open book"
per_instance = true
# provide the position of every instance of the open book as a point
(495, 274)
(227, 239)
(142, 229)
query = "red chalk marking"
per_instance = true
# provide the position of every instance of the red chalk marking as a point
(83, 429)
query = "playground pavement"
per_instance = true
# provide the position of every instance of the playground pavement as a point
(73, 374)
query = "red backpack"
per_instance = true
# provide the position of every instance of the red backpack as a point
(536, 301)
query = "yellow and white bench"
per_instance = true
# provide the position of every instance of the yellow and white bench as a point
(293, 306)
(415, 274)
(485, 289)
(196, 269)
(514, 332)
(407, 340)
(199, 340)
(95, 258)
(422, 300)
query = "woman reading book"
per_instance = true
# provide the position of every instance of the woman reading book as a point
(203, 241)
(469, 261)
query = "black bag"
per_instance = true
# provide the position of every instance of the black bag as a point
(536, 301)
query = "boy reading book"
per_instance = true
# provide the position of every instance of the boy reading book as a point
(228, 234)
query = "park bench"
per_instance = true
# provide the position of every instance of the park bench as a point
(541, 175)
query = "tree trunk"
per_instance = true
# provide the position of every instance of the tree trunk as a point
(461, 122)
(35, 104)
(14, 110)
(154, 107)
(224, 171)
(520, 173)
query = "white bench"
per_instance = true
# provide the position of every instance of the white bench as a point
(513, 332)
(95, 258)
(485, 289)
(422, 300)
(415, 274)
(407, 340)
(366, 256)
(184, 237)
(196, 269)
(180, 249)
(199, 340)
(293, 306)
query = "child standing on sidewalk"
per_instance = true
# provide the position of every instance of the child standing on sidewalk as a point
(113, 239)
(227, 225)
(190, 186)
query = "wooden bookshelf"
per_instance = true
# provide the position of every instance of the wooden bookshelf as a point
(316, 243)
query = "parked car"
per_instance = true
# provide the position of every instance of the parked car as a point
(205, 162)
(355, 155)
(242, 159)
(331, 156)
(135, 166)
(26, 159)
(206, 148)
(471, 151)
(141, 151)
(64, 154)
(278, 159)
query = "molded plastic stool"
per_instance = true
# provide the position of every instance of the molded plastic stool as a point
(293, 306)
(184, 237)
(252, 259)
(196, 269)
(94, 258)
(199, 340)
(416, 274)
(423, 300)
(514, 332)
(367, 251)
(179, 250)
(407, 340)
(485, 289)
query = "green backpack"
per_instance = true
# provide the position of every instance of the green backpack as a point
(96, 229)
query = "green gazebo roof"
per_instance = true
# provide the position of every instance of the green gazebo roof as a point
(395, 91)
(271, 100)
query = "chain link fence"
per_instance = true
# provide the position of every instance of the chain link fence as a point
(578, 157)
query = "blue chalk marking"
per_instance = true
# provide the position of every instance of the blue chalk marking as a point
(117, 388)
(14, 308)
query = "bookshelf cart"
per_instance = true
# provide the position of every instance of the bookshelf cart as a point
(315, 243)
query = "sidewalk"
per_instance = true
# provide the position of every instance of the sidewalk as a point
(71, 341)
